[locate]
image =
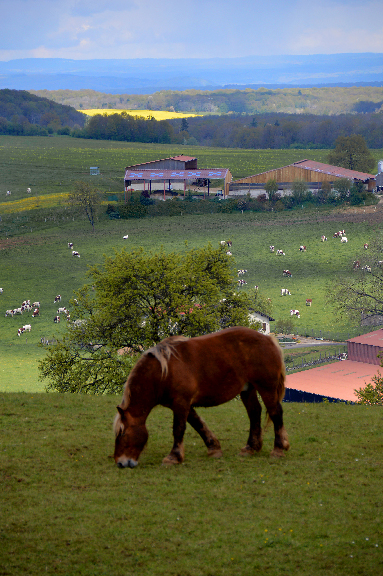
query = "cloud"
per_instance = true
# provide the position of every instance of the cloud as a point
(82, 29)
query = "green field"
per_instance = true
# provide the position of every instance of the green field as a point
(66, 509)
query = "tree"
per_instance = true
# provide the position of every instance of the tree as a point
(342, 186)
(372, 393)
(361, 296)
(87, 198)
(351, 152)
(184, 125)
(138, 299)
(299, 189)
(271, 188)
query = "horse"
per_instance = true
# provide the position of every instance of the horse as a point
(184, 373)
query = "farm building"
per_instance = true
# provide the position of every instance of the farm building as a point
(339, 380)
(264, 319)
(309, 171)
(173, 174)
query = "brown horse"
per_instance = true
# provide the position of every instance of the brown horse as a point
(183, 373)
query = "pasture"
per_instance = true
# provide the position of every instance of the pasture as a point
(66, 509)
(37, 265)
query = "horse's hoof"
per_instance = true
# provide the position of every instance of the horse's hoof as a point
(215, 453)
(247, 451)
(277, 453)
(170, 460)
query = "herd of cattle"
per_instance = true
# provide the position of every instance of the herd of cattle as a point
(34, 307)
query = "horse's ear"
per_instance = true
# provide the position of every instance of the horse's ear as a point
(120, 410)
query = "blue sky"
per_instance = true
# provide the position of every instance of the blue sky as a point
(85, 29)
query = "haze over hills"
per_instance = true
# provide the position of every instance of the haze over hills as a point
(147, 75)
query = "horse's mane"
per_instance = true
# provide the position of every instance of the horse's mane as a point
(164, 350)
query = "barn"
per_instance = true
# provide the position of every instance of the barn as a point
(173, 173)
(309, 171)
(338, 381)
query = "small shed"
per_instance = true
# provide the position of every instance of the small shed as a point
(264, 319)
(94, 171)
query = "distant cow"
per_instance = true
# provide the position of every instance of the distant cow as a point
(295, 313)
(56, 319)
(75, 253)
(20, 331)
(344, 239)
(29, 190)
(308, 301)
(323, 238)
(280, 253)
(287, 273)
(36, 312)
(1, 290)
(272, 248)
(62, 311)
(366, 246)
(57, 299)
(27, 327)
(125, 237)
(285, 292)
(70, 245)
(302, 248)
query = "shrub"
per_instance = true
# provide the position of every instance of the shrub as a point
(372, 393)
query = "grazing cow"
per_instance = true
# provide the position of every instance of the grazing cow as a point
(229, 253)
(280, 253)
(287, 273)
(26, 307)
(229, 243)
(75, 253)
(29, 190)
(70, 245)
(339, 234)
(8, 193)
(57, 299)
(323, 238)
(27, 327)
(285, 292)
(20, 331)
(62, 311)
(256, 287)
(308, 301)
(8, 313)
(1, 290)
(272, 248)
(241, 272)
(344, 240)
(18, 310)
(125, 237)
(302, 248)
(295, 313)
(26, 303)
(366, 246)
(36, 304)
(56, 319)
(356, 265)
(242, 282)
(36, 312)
(366, 268)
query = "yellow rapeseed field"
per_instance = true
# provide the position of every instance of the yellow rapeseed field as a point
(32, 202)
(157, 114)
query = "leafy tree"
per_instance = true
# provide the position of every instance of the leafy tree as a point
(184, 125)
(352, 152)
(299, 189)
(87, 198)
(271, 188)
(342, 186)
(361, 296)
(372, 393)
(138, 299)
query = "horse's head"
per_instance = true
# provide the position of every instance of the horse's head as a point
(131, 437)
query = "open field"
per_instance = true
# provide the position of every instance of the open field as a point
(37, 265)
(50, 165)
(66, 509)
(157, 114)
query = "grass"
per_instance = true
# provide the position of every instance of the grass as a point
(67, 509)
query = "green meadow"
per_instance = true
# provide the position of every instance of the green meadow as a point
(65, 508)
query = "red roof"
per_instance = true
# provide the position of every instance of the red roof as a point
(179, 158)
(333, 170)
(337, 380)
(372, 338)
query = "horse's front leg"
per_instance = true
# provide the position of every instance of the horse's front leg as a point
(177, 453)
(211, 441)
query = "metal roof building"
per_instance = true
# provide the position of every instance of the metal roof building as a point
(314, 173)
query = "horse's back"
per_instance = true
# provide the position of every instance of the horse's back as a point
(216, 367)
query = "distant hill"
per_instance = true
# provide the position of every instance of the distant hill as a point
(318, 101)
(21, 112)
(148, 75)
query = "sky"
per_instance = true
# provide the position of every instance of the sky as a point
(87, 29)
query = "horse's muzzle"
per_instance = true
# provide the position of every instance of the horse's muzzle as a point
(128, 463)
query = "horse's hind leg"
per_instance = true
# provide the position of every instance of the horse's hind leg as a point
(211, 441)
(250, 400)
(275, 412)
